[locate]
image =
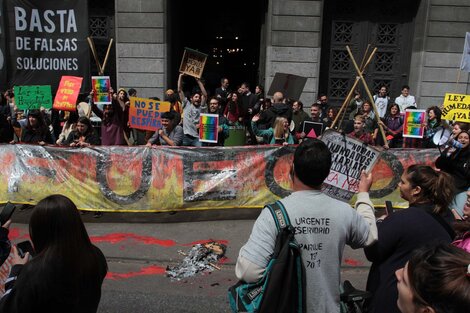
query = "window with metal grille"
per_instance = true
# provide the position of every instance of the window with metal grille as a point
(342, 32)
(384, 61)
(339, 87)
(387, 34)
(99, 26)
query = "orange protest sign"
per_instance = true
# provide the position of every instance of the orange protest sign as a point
(146, 113)
(67, 94)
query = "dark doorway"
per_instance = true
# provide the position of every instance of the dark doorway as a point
(387, 25)
(228, 31)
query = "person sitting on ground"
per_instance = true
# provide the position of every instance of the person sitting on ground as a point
(436, 279)
(429, 193)
(359, 132)
(36, 130)
(279, 134)
(70, 125)
(84, 135)
(171, 134)
(67, 271)
(323, 227)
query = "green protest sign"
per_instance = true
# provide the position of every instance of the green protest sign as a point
(33, 97)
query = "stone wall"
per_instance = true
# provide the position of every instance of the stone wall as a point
(437, 50)
(141, 46)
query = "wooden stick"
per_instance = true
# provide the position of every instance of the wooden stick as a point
(364, 57)
(107, 55)
(214, 266)
(371, 98)
(95, 55)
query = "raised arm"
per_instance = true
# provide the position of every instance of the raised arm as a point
(203, 91)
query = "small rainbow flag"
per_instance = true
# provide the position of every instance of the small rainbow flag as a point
(208, 127)
(414, 123)
(101, 86)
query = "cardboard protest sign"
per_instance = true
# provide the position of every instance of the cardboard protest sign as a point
(290, 85)
(146, 113)
(456, 108)
(208, 127)
(193, 63)
(67, 94)
(312, 129)
(33, 97)
(349, 158)
(101, 86)
(413, 126)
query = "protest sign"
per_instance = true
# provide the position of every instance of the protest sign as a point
(349, 158)
(413, 126)
(208, 127)
(456, 108)
(290, 85)
(46, 40)
(146, 113)
(101, 86)
(33, 97)
(67, 94)
(193, 63)
(312, 129)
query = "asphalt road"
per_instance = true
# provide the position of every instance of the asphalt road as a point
(138, 254)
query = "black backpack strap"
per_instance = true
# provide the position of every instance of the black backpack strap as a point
(279, 214)
(444, 224)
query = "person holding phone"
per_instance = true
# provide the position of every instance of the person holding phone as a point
(429, 193)
(67, 271)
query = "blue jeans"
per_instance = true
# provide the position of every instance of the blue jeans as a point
(191, 141)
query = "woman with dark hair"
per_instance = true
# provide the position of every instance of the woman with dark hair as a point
(330, 117)
(392, 124)
(232, 109)
(67, 272)
(435, 280)
(70, 125)
(36, 130)
(84, 134)
(429, 194)
(433, 125)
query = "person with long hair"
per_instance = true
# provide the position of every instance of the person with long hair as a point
(392, 124)
(436, 279)
(70, 125)
(433, 125)
(429, 193)
(232, 109)
(84, 135)
(36, 130)
(457, 164)
(278, 134)
(67, 271)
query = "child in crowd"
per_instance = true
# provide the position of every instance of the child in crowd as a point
(359, 132)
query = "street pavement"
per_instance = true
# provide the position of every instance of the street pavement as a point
(138, 254)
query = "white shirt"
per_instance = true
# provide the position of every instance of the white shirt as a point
(405, 102)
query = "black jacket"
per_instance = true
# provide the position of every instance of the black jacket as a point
(278, 109)
(457, 165)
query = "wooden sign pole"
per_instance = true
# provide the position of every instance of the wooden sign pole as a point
(106, 57)
(95, 55)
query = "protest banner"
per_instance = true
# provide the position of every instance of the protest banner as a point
(101, 86)
(166, 179)
(456, 108)
(193, 63)
(67, 93)
(349, 158)
(312, 129)
(47, 40)
(290, 85)
(413, 125)
(33, 97)
(146, 113)
(208, 127)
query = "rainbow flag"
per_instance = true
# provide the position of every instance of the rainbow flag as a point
(101, 86)
(414, 123)
(208, 127)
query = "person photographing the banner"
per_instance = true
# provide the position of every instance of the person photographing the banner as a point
(323, 226)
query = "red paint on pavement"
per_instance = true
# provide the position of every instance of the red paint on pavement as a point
(149, 270)
(352, 262)
(119, 237)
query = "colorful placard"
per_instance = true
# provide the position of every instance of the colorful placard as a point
(193, 63)
(146, 113)
(101, 86)
(208, 127)
(456, 108)
(67, 94)
(33, 97)
(413, 126)
(312, 129)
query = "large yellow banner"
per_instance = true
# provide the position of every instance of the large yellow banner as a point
(141, 179)
(456, 108)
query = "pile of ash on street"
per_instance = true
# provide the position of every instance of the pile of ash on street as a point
(201, 258)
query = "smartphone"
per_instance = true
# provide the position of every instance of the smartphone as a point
(388, 207)
(25, 246)
(7, 212)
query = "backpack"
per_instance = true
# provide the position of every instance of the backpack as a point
(282, 287)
